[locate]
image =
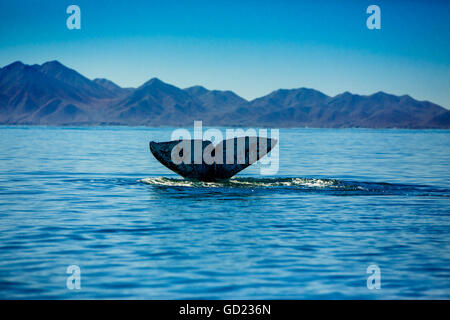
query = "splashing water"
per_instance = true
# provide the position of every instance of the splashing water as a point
(244, 182)
(304, 185)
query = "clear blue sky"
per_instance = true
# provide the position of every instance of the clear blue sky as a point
(250, 47)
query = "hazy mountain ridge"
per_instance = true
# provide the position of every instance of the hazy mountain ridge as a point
(53, 94)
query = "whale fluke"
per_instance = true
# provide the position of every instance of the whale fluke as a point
(201, 160)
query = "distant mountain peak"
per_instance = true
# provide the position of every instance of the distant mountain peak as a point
(345, 95)
(304, 92)
(196, 90)
(153, 81)
(381, 94)
(155, 85)
(53, 63)
(406, 97)
(56, 66)
(111, 86)
(15, 64)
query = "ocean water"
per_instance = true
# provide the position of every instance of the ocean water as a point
(342, 200)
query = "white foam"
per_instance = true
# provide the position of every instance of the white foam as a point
(243, 182)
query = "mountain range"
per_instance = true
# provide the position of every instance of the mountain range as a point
(53, 94)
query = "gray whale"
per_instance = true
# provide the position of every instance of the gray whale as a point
(230, 156)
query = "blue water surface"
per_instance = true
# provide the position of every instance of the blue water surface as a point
(342, 200)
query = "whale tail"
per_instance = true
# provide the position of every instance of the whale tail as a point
(201, 160)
